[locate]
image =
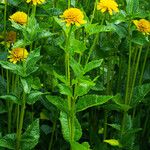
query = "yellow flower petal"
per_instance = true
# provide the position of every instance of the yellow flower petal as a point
(108, 5)
(143, 26)
(73, 16)
(17, 54)
(19, 17)
(35, 2)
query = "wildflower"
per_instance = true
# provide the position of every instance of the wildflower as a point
(35, 2)
(108, 5)
(17, 54)
(73, 16)
(143, 26)
(11, 37)
(19, 17)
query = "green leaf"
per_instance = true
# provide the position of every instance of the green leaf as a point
(84, 86)
(60, 77)
(88, 101)
(65, 127)
(118, 101)
(21, 43)
(132, 6)
(115, 126)
(78, 146)
(12, 98)
(32, 60)
(92, 65)
(60, 103)
(45, 34)
(17, 69)
(65, 90)
(33, 97)
(8, 141)
(139, 93)
(26, 84)
(31, 136)
(140, 39)
(113, 142)
(14, 2)
(94, 28)
(77, 46)
(76, 67)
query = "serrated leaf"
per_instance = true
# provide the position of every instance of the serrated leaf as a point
(77, 46)
(33, 97)
(88, 101)
(95, 28)
(17, 69)
(76, 67)
(115, 126)
(92, 65)
(65, 90)
(8, 141)
(31, 136)
(12, 98)
(84, 86)
(139, 93)
(65, 127)
(60, 103)
(62, 78)
(26, 84)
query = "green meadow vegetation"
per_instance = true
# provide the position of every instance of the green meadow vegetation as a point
(74, 75)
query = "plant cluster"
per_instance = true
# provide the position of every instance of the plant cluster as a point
(74, 75)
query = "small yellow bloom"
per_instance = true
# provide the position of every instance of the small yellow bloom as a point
(108, 5)
(35, 2)
(19, 17)
(73, 16)
(17, 54)
(143, 26)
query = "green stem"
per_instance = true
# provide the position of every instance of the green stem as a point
(21, 122)
(5, 21)
(52, 136)
(94, 10)
(105, 123)
(70, 100)
(128, 74)
(69, 3)
(143, 67)
(135, 73)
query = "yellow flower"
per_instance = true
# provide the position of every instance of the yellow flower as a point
(19, 17)
(17, 54)
(143, 26)
(108, 5)
(35, 2)
(73, 16)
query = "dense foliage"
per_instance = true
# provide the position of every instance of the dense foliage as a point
(74, 74)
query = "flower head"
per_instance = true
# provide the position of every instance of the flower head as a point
(17, 54)
(11, 36)
(108, 5)
(35, 2)
(73, 16)
(19, 17)
(142, 25)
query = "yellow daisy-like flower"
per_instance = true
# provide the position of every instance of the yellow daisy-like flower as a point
(19, 17)
(73, 16)
(108, 5)
(143, 26)
(35, 2)
(17, 54)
